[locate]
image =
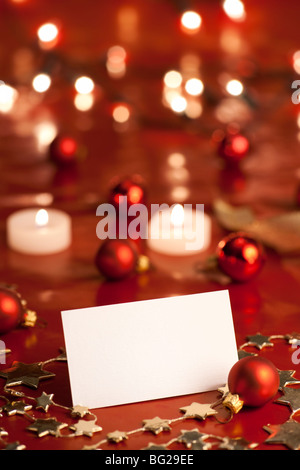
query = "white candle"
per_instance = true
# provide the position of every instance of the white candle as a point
(39, 232)
(179, 231)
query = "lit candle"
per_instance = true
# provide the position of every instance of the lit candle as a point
(179, 231)
(39, 231)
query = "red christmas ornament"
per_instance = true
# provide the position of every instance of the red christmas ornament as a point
(11, 310)
(65, 150)
(233, 147)
(116, 259)
(254, 379)
(240, 257)
(129, 188)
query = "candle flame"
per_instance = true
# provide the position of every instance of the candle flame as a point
(177, 215)
(41, 218)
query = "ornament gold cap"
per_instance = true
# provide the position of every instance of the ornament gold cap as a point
(233, 402)
(29, 319)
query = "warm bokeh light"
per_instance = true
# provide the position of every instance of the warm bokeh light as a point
(41, 218)
(45, 133)
(84, 102)
(240, 144)
(180, 193)
(234, 87)
(41, 82)
(48, 32)
(116, 61)
(121, 113)
(8, 97)
(116, 54)
(178, 104)
(176, 160)
(84, 85)
(177, 215)
(194, 109)
(135, 194)
(296, 62)
(191, 21)
(173, 79)
(194, 86)
(234, 9)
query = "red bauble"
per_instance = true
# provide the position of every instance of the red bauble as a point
(64, 150)
(254, 379)
(11, 310)
(116, 259)
(234, 147)
(129, 188)
(240, 257)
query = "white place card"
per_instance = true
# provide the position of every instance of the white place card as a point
(149, 349)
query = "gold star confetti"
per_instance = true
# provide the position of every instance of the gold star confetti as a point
(237, 443)
(43, 427)
(44, 401)
(152, 446)
(259, 341)
(287, 434)
(79, 411)
(293, 338)
(198, 411)
(291, 398)
(25, 374)
(156, 425)
(16, 407)
(3, 433)
(85, 428)
(14, 446)
(193, 437)
(116, 436)
(286, 378)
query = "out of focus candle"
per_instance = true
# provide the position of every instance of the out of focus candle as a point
(179, 231)
(39, 231)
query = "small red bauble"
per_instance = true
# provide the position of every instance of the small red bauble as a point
(234, 147)
(240, 257)
(129, 188)
(11, 310)
(64, 150)
(116, 259)
(254, 379)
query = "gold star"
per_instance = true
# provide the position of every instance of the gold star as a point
(193, 438)
(85, 428)
(152, 446)
(14, 446)
(293, 338)
(25, 374)
(46, 426)
(198, 411)
(286, 378)
(16, 407)
(291, 397)
(156, 425)
(116, 436)
(238, 443)
(259, 341)
(79, 411)
(44, 401)
(287, 434)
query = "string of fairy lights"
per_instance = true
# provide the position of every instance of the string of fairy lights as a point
(48, 36)
(182, 90)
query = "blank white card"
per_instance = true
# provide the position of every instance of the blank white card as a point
(150, 349)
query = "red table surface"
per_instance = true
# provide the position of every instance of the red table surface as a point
(267, 182)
